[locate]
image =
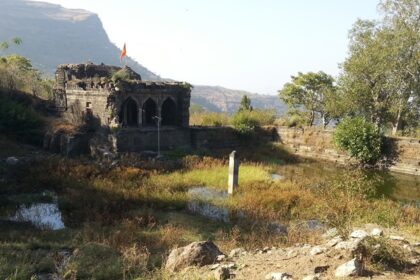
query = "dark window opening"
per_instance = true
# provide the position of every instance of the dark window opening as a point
(169, 112)
(149, 113)
(129, 113)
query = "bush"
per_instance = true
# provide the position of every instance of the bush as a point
(380, 254)
(209, 119)
(20, 121)
(360, 138)
(245, 122)
(120, 75)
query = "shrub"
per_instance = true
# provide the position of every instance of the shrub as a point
(209, 119)
(245, 122)
(120, 75)
(380, 254)
(360, 138)
(94, 261)
(20, 121)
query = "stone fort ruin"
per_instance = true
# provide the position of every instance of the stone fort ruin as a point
(117, 98)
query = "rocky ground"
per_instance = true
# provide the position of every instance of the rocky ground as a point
(370, 252)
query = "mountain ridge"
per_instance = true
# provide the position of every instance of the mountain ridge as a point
(54, 35)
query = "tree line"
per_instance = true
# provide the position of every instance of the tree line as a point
(18, 74)
(379, 80)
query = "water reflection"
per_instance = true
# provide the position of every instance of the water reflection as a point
(40, 209)
(42, 215)
(396, 186)
(203, 200)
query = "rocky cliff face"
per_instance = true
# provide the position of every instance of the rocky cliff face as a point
(53, 35)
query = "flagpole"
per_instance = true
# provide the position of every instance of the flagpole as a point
(123, 56)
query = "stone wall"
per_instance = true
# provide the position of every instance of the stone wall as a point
(213, 137)
(67, 144)
(137, 140)
(95, 100)
(403, 153)
(93, 90)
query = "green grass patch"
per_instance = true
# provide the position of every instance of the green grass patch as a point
(216, 177)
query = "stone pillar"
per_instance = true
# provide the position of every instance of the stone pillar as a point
(233, 172)
(140, 115)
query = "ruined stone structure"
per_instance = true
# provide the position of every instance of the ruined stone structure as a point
(117, 98)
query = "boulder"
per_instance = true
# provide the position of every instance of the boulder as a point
(278, 276)
(376, 232)
(311, 277)
(332, 232)
(12, 160)
(359, 234)
(350, 245)
(222, 273)
(350, 268)
(236, 252)
(316, 250)
(334, 241)
(397, 237)
(197, 253)
(220, 258)
(321, 269)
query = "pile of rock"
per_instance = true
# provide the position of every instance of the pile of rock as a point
(336, 257)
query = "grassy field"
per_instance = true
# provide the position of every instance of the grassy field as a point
(122, 221)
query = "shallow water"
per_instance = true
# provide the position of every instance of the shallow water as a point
(203, 201)
(39, 209)
(391, 185)
(41, 215)
(208, 202)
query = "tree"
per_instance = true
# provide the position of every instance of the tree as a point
(245, 104)
(4, 45)
(381, 75)
(312, 93)
(17, 72)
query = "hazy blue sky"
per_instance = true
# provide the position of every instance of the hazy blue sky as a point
(253, 45)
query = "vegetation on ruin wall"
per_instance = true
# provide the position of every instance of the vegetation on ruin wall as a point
(256, 117)
(122, 221)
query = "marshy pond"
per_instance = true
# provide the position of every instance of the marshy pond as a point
(392, 185)
(39, 209)
(42, 209)
(210, 202)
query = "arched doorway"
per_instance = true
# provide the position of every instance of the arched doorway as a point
(129, 113)
(149, 112)
(168, 112)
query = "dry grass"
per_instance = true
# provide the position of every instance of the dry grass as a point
(135, 215)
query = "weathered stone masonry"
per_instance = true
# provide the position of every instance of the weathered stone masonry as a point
(130, 106)
(132, 102)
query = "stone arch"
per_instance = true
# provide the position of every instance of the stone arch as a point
(149, 111)
(168, 112)
(129, 113)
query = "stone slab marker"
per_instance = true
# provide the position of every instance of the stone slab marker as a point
(233, 172)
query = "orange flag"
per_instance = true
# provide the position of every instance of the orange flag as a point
(123, 53)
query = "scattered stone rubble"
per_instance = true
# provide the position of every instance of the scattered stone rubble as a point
(196, 253)
(335, 258)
